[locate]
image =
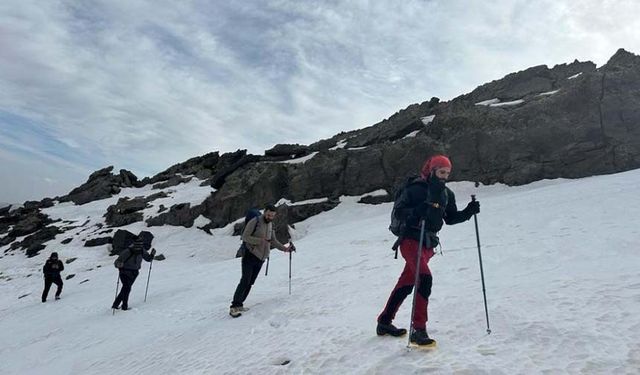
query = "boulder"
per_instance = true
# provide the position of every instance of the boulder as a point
(101, 184)
(34, 249)
(99, 241)
(178, 215)
(125, 211)
(40, 237)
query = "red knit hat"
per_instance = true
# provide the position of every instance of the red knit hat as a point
(434, 162)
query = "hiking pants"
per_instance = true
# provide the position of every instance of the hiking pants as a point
(404, 286)
(251, 266)
(48, 280)
(127, 277)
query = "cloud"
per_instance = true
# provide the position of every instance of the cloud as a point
(143, 85)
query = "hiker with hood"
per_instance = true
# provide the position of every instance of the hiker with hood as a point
(52, 268)
(258, 237)
(426, 198)
(129, 262)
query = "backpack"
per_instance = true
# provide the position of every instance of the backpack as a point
(251, 213)
(398, 226)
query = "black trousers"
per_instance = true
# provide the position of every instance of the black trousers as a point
(48, 280)
(251, 266)
(127, 277)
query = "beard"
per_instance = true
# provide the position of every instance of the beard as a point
(267, 220)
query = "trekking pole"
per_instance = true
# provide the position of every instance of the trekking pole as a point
(266, 270)
(290, 257)
(415, 282)
(117, 286)
(148, 277)
(484, 291)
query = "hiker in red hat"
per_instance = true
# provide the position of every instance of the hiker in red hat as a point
(425, 198)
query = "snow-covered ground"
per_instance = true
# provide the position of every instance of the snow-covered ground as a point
(562, 275)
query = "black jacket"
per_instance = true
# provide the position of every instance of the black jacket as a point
(131, 258)
(416, 203)
(52, 268)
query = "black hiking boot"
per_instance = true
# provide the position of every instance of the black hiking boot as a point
(389, 329)
(421, 338)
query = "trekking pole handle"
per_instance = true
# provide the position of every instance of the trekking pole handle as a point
(473, 197)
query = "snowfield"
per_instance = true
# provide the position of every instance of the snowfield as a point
(561, 264)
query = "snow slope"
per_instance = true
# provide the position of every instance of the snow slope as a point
(562, 278)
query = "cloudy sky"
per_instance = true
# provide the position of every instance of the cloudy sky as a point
(143, 85)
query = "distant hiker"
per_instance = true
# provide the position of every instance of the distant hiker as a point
(258, 237)
(129, 262)
(52, 268)
(426, 198)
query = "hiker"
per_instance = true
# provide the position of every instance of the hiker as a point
(426, 198)
(52, 268)
(129, 262)
(258, 237)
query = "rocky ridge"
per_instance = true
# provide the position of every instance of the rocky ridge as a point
(572, 120)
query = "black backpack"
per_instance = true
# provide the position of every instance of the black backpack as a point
(251, 213)
(398, 226)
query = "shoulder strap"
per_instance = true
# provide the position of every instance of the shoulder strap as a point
(256, 226)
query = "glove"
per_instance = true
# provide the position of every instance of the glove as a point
(290, 249)
(153, 252)
(119, 264)
(472, 208)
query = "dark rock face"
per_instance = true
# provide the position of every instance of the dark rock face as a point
(29, 221)
(172, 181)
(6, 240)
(101, 184)
(287, 151)
(228, 164)
(328, 174)
(376, 199)
(572, 120)
(34, 249)
(392, 129)
(250, 186)
(40, 237)
(590, 126)
(178, 215)
(202, 167)
(125, 211)
(98, 241)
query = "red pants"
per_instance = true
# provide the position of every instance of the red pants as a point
(404, 286)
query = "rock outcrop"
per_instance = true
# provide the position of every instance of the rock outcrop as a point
(101, 184)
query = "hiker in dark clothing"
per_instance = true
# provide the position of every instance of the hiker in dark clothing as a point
(258, 236)
(52, 268)
(428, 199)
(129, 262)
